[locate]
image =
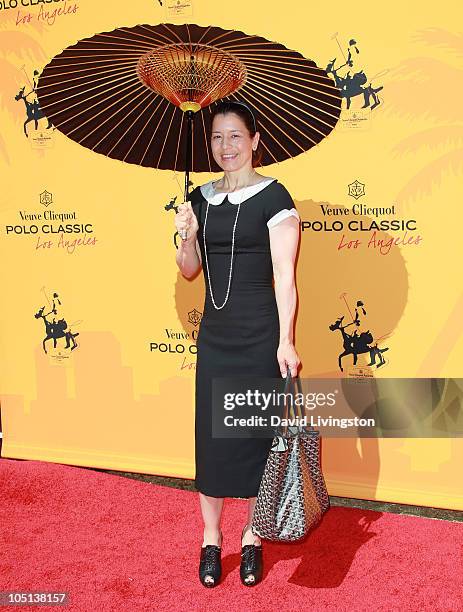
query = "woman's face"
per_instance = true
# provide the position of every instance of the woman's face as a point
(231, 143)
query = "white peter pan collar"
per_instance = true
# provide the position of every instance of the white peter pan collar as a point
(235, 197)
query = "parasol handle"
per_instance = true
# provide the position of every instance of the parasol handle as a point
(189, 131)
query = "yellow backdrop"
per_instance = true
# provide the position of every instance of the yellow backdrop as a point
(123, 397)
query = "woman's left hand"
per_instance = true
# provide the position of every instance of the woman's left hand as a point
(288, 358)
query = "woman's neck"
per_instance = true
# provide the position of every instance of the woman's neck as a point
(232, 181)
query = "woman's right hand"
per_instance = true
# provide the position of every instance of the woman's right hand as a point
(185, 219)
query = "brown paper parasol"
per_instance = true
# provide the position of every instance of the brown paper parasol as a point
(132, 93)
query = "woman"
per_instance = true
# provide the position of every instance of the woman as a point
(243, 229)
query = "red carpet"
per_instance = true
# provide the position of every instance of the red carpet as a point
(124, 545)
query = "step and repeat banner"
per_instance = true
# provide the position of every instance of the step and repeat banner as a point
(99, 327)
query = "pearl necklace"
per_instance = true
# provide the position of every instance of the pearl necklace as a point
(231, 260)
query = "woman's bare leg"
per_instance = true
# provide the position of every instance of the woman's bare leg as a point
(248, 536)
(211, 510)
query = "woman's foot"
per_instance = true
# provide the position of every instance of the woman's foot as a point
(210, 563)
(251, 557)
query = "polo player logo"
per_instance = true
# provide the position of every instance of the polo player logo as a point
(173, 206)
(56, 328)
(356, 344)
(357, 84)
(33, 111)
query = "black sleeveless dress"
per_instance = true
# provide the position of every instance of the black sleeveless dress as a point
(242, 338)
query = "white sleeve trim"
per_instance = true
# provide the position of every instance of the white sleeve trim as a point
(283, 214)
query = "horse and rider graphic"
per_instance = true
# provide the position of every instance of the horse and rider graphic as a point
(173, 206)
(33, 110)
(355, 344)
(356, 84)
(56, 329)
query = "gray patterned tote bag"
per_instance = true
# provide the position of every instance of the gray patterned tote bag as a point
(292, 496)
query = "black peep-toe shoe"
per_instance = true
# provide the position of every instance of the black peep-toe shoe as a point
(210, 564)
(251, 563)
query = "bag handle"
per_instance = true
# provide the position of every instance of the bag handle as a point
(294, 410)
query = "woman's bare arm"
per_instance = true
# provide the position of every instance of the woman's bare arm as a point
(188, 257)
(284, 240)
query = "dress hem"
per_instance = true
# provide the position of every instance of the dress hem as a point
(200, 489)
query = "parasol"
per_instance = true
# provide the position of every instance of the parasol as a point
(132, 94)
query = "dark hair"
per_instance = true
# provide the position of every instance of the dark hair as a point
(244, 111)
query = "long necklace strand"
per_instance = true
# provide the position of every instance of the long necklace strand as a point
(231, 260)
